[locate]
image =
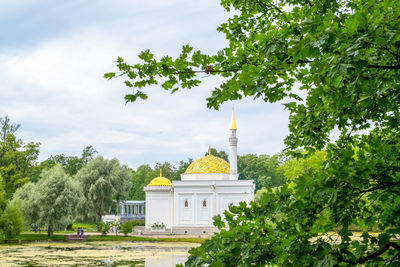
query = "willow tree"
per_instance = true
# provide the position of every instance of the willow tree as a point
(51, 202)
(344, 57)
(103, 184)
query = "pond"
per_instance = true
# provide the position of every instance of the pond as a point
(104, 253)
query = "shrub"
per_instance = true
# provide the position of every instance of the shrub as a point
(11, 222)
(126, 228)
(103, 228)
(137, 223)
(158, 226)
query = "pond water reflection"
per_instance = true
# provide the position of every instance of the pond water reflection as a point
(149, 254)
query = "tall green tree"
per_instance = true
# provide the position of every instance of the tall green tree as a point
(263, 169)
(344, 55)
(51, 202)
(18, 161)
(217, 153)
(138, 182)
(293, 169)
(167, 169)
(183, 165)
(6, 128)
(3, 199)
(103, 183)
(88, 153)
(71, 164)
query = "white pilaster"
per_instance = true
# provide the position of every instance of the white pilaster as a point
(122, 208)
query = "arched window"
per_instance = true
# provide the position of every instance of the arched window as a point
(186, 204)
(204, 203)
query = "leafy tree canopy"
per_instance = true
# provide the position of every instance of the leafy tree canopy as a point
(183, 165)
(167, 169)
(344, 56)
(3, 200)
(10, 221)
(138, 182)
(293, 169)
(263, 169)
(18, 161)
(29, 207)
(71, 164)
(220, 154)
(51, 201)
(102, 182)
(10, 216)
(6, 128)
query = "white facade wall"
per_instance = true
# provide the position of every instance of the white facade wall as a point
(197, 202)
(159, 206)
(194, 204)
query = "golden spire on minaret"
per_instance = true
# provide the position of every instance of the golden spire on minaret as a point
(233, 121)
(209, 150)
(233, 149)
(160, 172)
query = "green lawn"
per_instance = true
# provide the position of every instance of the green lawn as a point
(30, 237)
(137, 238)
(24, 237)
(86, 226)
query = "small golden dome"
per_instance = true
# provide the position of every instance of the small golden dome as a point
(208, 164)
(160, 181)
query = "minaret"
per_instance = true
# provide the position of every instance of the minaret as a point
(233, 149)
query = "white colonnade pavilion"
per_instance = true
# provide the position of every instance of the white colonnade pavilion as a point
(133, 209)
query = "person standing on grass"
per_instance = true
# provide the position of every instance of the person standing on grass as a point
(82, 232)
(49, 231)
(78, 232)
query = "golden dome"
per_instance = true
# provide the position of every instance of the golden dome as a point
(208, 164)
(160, 181)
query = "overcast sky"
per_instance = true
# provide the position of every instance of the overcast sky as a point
(53, 55)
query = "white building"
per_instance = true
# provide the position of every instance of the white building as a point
(207, 188)
(132, 210)
(129, 210)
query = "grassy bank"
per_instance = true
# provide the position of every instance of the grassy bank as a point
(32, 237)
(140, 238)
(28, 237)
